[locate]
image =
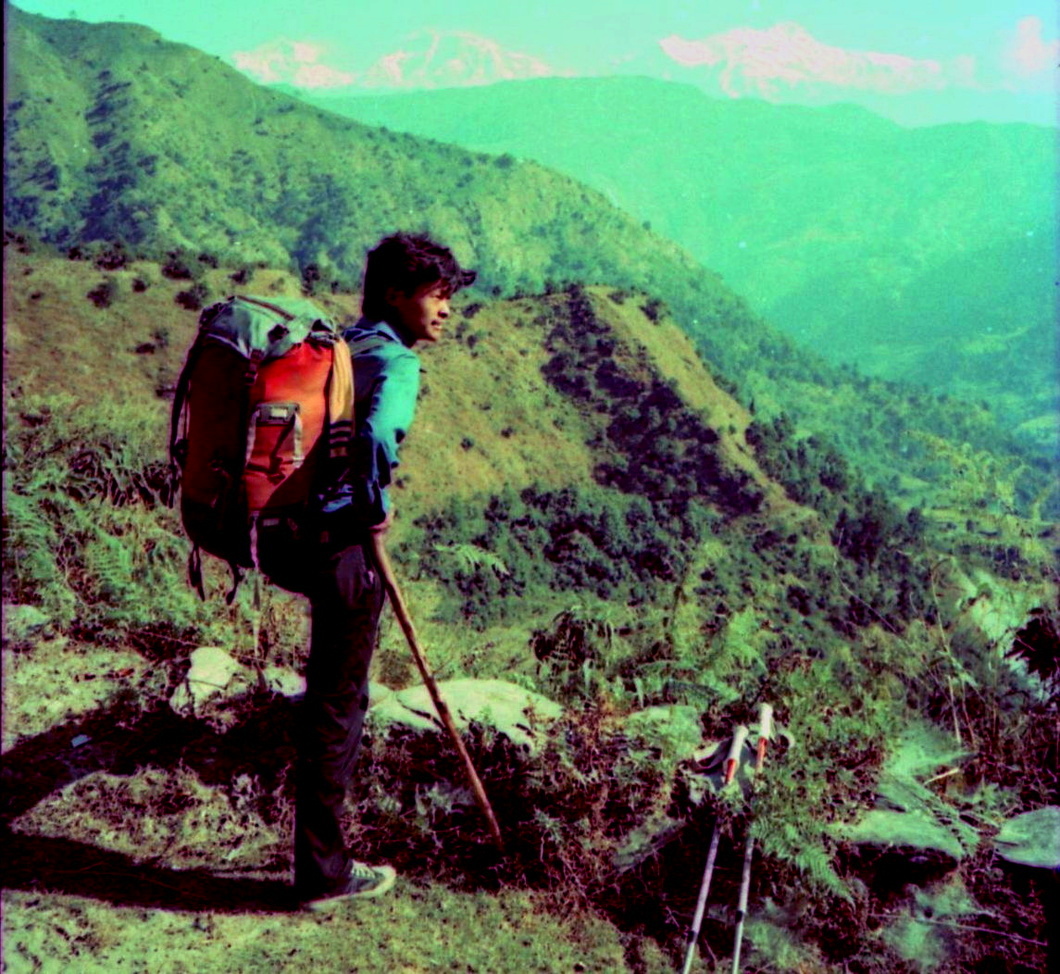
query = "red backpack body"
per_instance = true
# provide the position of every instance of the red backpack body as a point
(263, 409)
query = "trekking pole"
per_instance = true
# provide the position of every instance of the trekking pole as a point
(765, 728)
(405, 621)
(732, 762)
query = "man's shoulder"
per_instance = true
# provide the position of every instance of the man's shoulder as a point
(376, 349)
(377, 339)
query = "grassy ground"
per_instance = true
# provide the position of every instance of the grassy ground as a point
(414, 930)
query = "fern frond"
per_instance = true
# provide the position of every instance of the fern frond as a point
(470, 558)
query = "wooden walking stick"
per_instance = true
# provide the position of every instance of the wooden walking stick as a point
(765, 729)
(405, 621)
(732, 762)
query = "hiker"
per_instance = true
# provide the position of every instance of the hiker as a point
(408, 281)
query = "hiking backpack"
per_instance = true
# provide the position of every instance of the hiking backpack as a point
(261, 419)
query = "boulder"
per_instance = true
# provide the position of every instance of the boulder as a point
(909, 816)
(894, 829)
(23, 621)
(507, 708)
(212, 670)
(1032, 839)
(284, 681)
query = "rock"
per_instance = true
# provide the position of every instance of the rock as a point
(212, 669)
(23, 621)
(506, 707)
(909, 816)
(922, 749)
(378, 692)
(891, 828)
(284, 681)
(1032, 839)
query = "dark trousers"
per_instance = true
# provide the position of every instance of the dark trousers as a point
(346, 598)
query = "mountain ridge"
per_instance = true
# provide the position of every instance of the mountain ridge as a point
(622, 491)
(790, 203)
(111, 142)
(428, 58)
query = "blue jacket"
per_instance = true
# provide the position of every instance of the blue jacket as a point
(386, 382)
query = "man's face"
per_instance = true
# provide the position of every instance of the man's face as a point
(423, 312)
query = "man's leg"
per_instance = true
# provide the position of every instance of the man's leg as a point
(346, 602)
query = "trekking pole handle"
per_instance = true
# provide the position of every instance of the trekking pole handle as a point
(732, 761)
(765, 732)
(405, 621)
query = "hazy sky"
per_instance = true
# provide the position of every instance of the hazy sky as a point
(580, 32)
(988, 46)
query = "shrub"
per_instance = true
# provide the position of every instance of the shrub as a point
(193, 298)
(665, 447)
(652, 309)
(86, 536)
(577, 539)
(20, 241)
(311, 276)
(104, 293)
(176, 267)
(112, 258)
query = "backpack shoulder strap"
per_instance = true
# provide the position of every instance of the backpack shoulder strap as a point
(177, 415)
(340, 402)
(366, 344)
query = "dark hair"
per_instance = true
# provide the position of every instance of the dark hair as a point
(407, 262)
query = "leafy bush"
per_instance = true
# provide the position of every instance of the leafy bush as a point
(86, 535)
(179, 266)
(591, 540)
(112, 258)
(865, 526)
(193, 298)
(667, 452)
(104, 293)
(566, 811)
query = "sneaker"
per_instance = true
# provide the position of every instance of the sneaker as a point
(365, 882)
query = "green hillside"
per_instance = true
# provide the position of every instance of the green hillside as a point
(584, 510)
(623, 491)
(925, 242)
(115, 134)
(104, 143)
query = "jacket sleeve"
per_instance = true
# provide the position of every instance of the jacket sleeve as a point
(385, 413)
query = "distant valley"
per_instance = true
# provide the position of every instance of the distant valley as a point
(924, 255)
(115, 135)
